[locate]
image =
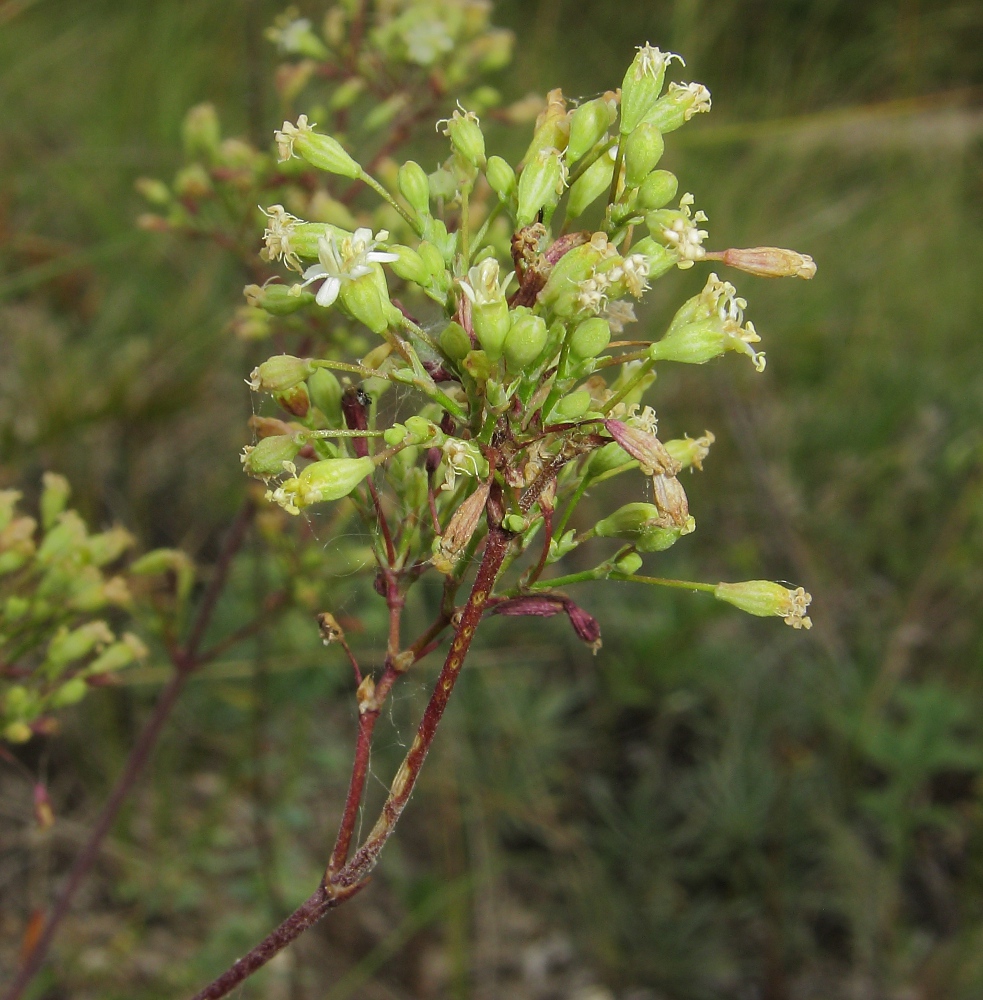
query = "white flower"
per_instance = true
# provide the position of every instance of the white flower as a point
(426, 41)
(289, 33)
(286, 135)
(277, 236)
(697, 98)
(460, 459)
(654, 60)
(483, 285)
(634, 273)
(618, 314)
(345, 261)
(720, 298)
(683, 236)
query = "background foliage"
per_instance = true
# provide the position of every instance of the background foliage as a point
(711, 808)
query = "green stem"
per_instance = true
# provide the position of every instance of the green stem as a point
(343, 366)
(659, 581)
(480, 236)
(643, 370)
(383, 193)
(589, 160)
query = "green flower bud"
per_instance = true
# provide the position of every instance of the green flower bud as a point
(627, 521)
(525, 340)
(643, 150)
(690, 452)
(491, 323)
(657, 190)
(276, 299)
(394, 435)
(325, 392)
(590, 338)
(69, 693)
(540, 185)
(590, 185)
(362, 300)
(443, 185)
(266, 458)
(575, 405)
(680, 103)
(54, 498)
(281, 372)
(330, 479)
(433, 258)
(320, 151)
(659, 259)
(466, 137)
(612, 456)
(629, 564)
(424, 431)
(455, 341)
(383, 114)
(200, 132)
(68, 646)
(764, 599)
(118, 655)
(107, 546)
(501, 177)
(414, 187)
(658, 539)
(572, 268)
(587, 126)
(410, 266)
(515, 523)
(552, 128)
(642, 85)
(347, 93)
(192, 182)
(153, 190)
(17, 732)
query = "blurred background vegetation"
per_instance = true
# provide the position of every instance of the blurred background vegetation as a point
(714, 808)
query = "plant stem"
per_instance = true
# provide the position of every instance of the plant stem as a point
(659, 581)
(338, 886)
(185, 661)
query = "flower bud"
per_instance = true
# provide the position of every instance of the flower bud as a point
(590, 185)
(325, 392)
(118, 655)
(423, 431)
(657, 539)
(764, 599)
(642, 85)
(657, 190)
(552, 127)
(68, 646)
(279, 373)
(70, 693)
(192, 182)
(612, 456)
(362, 300)
(645, 448)
(443, 185)
(200, 132)
(587, 126)
(330, 479)
(466, 137)
(570, 407)
(448, 547)
(152, 190)
(383, 114)
(54, 498)
(320, 151)
(491, 323)
(540, 185)
(590, 338)
(690, 452)
(347, 93)
(433, 258)
(265, 459)
(501, 177)
(455, 341)
(409, 265)
(571, 269)
(642, 149)
(276, 299)
(627, 521)
(629, 564)
(769, 262)
(525, 340)
(680, 103)
(414, 187)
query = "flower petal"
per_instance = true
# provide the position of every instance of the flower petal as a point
(328, 292)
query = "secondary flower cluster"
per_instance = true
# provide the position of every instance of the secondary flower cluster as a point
(505, 325)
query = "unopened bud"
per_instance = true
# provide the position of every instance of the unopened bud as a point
(348, 93)
(590, 338)
(571, 407)
(192, 182)
(455, 341)
(54, 498)
(552, 127)
(265, 459)
(612, 456)
(491, 322)
(409, 265)
(525, 340)
(657, 190)
(764, 599)
(501, 177)
(414, 187)
(466, 137)
(384, 114)
(296, 400)
(200, 132)
(643, 150)
(325, 392)
(768, 262)
(153, 190)
(590, 185)
(279, 373)
(587, 126)
(276, 299)
(449, 546)
(540, 185)
(642, 85)
(629, 564)
(362, 300)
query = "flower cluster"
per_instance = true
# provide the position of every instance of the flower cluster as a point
(504, 326)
